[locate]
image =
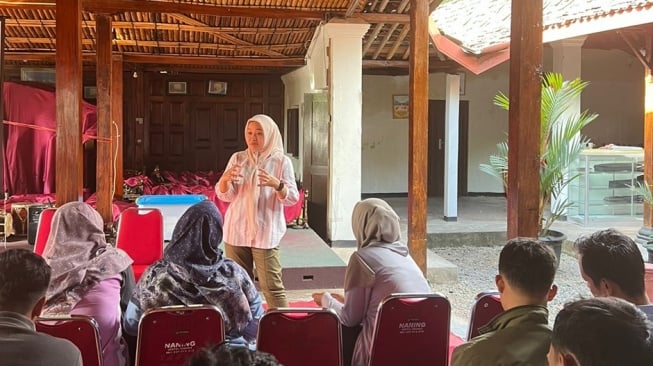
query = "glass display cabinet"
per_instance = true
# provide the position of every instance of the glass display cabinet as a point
(602, 190)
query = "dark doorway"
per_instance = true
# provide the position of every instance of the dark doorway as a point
(316, 160)
(436, 147)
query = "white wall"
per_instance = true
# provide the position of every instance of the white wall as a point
(308, 79)
(616, 92)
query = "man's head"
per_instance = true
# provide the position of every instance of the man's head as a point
(24, 278)
(526, 271)
(612, 265)
(225, 355)
(600, 331)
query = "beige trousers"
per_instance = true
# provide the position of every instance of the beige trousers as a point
(268, 271)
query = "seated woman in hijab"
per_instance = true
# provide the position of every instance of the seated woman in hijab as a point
(380, 266)
(87, 275)
(193, 271)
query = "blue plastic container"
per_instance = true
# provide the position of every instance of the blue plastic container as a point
(171, 207)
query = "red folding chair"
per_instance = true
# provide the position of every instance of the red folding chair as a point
(43, 229)
(81, 330)
(140, 235)
(169, 335)
(486, 306)
(412, 329)
(301, 336)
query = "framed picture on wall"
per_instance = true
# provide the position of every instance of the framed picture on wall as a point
(38, 74)
(177, 87)
(90, 92)
(217, 87)
(400, 106)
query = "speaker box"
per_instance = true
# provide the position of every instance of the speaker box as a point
(33, 215)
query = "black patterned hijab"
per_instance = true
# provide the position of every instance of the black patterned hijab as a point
(193, 270)
(79, 255)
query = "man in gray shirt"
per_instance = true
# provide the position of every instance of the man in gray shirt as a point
(24, 278)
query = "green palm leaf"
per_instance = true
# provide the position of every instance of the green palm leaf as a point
(560, 143)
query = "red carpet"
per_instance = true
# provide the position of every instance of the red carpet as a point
(454, 340)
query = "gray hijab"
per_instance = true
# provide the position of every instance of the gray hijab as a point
(375, 225)
(79, 256)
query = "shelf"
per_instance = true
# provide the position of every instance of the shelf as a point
(602, 187)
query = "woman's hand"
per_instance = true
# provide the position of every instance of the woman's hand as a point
(265, 179)
(317, 297)
(338, 297)
(233, 174)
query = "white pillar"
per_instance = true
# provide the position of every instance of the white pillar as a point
(451, 112)
(345, 79)
(567, 61)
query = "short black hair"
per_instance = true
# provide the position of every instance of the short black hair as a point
(528, 265)
(609, 254)
(224, 354)
(24, 279)
(603, 331)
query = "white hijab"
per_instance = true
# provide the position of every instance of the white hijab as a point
(272, 145)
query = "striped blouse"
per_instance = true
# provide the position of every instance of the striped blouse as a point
(270, 216)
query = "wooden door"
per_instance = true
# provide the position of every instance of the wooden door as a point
(316, 160)
(231, 132)
(166, 145)
(436, 147)
(216, 131)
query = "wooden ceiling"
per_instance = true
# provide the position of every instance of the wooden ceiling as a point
(271, 36)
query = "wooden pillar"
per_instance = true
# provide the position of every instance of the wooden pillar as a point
(116, 122)
(2, 104)
(69, 157)
(645, 233)
(524, 118)
(418, 131)
(104, 165)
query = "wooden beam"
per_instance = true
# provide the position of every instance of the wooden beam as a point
(121, 6)
(212, 61)
(2, 104)
(104, 162)
(117, 124)
(69, 157)
(383, 18)
(239, 43)
(524, 118)
(418, 132)
(264, 48)
(51, 23)
(41, 56)
(351, 9)
(140, 58)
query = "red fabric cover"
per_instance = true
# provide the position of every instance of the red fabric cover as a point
(30, 152)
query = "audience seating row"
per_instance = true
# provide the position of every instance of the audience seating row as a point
(140, 235)
(411, 329)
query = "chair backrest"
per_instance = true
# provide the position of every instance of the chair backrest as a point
(140, 235)
(486, 306)
(81, 330)
(43, 229)
(301, 336)
(412, 329)
(169, 335)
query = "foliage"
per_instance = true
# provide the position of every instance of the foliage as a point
(644, 190)
(560, 144)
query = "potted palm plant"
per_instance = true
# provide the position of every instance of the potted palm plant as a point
(560, 144)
